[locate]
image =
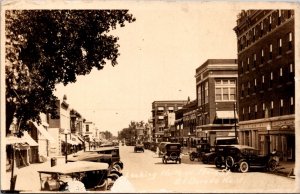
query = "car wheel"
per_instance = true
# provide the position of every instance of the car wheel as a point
(244, 166)
(163, 160)
(218, 162)
(204, 160)
(234, 167)
(192, 157)
(272, 165)
(229, 161)
(179, 160)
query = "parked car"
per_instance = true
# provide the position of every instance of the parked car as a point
(172, 151)
(153, 146)
(223, 153)
(161, 147)
(208, 158)
(200, 150)
(139, 147)
(244, 158)
(75, 177)
(147, 145)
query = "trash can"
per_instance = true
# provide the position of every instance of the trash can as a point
(53, 162)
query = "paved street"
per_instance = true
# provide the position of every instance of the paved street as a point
(146, 173)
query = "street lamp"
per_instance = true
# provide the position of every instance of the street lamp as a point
(269, 139)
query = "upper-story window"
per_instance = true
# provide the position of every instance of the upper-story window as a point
(261, 29)
(248, 90)
(290, 45)
(242, 67)
(281, 107)
(270, 51)
(87, 128)
(199, 96)
(292, 105)
(225, 90)
(270, 23)
(248, 63)
(279, 17)
(279, 46)
(271, 79)
(254, 60)
(291, 68)
(272, 108)
(254, 34)
(206, 92)
(262, 56)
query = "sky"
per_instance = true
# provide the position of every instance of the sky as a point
(159, 56)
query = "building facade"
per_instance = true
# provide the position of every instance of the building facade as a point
(159, 110)
(216, 81)
(266, 64)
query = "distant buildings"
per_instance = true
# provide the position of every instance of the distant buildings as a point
(159, 110)
(266, 72)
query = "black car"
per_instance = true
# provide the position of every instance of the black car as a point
(208, 158)
(139, 147)
(242, 158)
(223, 153)
(201, 149)
(171, 151)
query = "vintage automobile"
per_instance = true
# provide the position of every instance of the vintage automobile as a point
(172, 151)
(222, 155)
(244, 158)
(201, 149)
(139, 147)
(161, 147)
(75, 177)
(208, 158)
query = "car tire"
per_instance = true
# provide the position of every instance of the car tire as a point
(229, 161)
(218, 162)
(243, 166)
(192, 157)
(272, 164)
(179, 160)
(204, 160)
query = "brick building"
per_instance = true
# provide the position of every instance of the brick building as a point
(266, 86)
(159, 109)
(216, 97)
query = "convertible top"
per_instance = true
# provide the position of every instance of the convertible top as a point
(72, 167)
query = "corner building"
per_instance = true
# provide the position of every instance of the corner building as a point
(266, 86)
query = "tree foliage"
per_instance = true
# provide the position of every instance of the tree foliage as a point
(47, 47)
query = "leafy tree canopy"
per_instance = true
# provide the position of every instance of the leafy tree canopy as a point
(47, 47)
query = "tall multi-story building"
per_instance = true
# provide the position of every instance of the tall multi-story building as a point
(159, 109)
(216, 97)
(266, 64)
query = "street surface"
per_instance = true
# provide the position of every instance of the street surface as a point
(145, 172)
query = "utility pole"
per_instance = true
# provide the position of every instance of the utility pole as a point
(235, 132)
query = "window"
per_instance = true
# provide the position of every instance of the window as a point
(242, 95)
(281, 107)
(206, 92)
(249, 113)
(279, 46)
(225, 90)
(262, 56)
(248, 90)
(253, 37)
(279, 17)
(87, 129)
(291, 68)
(280, 75)
(270, 51)
(263, 106)
(242, 67)
(255, 84)
(254, 60)
(248, 63)
(272, 108)
(290, 46)
(271, 79)
(261, 28)
(262, 82)
(255, 113)
(199, 95)
(292, 106)
(270, 23)
(243, 111)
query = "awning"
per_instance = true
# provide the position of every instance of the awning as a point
(69, 140)
(226, 115)
(43, 131)
(80, 138)
(26, 138)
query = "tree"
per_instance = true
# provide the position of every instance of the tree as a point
(47, 47)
